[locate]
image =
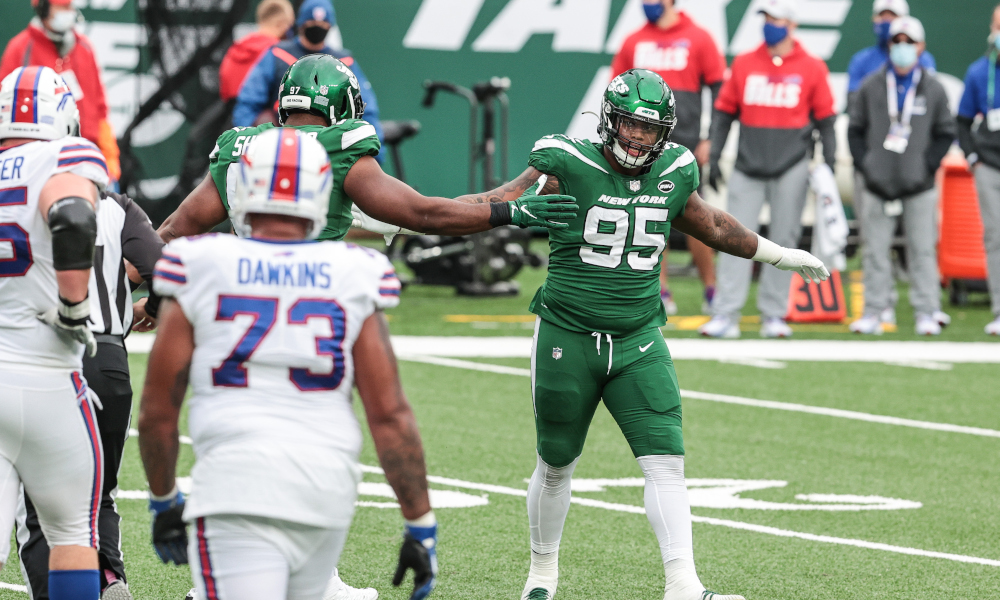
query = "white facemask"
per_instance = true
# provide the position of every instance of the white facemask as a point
(62, 21)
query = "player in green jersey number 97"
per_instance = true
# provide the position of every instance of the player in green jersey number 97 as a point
(321, 96)
(597, 333)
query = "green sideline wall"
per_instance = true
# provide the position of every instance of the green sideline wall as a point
(550, 72)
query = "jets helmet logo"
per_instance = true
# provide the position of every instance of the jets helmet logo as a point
(665, 186)
(557, 353)
(634, 185)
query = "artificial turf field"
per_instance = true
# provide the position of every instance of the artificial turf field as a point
(478, 432)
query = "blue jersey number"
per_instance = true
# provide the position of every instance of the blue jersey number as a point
(233, 373)
(20, 260)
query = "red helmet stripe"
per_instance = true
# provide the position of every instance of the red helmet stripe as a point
(285, 181)
(26, 95)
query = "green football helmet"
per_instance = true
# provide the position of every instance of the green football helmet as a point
(637, 116)
(322, 85)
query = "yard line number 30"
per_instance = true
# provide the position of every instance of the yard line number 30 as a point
(614, 241)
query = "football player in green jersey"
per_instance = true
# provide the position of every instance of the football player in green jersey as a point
(321, 96)
(597, 332)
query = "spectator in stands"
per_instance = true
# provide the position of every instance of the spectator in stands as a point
(864, 63)
(900, 129)
(982, 149)
(780, 94)
(260, 88)
(50, 40)
(685, 55)
(274, 19)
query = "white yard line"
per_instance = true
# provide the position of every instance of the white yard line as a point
(629, 508)
(13, 586)
(786, 406)
(700, 349)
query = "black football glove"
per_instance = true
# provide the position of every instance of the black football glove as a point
(169, 531)
(71, 319)
(418, 552)
(714, 176)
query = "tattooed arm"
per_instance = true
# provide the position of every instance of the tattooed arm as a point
(162, 396)
(513, 189)
(390, 418)
(720, 230)
(716, 228)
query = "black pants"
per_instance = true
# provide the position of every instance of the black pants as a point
(107, 374)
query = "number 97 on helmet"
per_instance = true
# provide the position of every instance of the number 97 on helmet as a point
(286, 172)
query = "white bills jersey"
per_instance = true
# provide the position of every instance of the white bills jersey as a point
(27, 277)
(272, 372)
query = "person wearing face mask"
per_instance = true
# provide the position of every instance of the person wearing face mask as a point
(50, 40)
(900, 129)
(684, 54)
(274, 18)
(780, 94)
(982, 150)
(259, 92)
(864, 63)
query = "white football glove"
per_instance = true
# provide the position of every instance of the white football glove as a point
(789, 259)
(71, 320)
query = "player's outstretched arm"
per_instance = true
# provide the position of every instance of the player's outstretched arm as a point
(198, 213)
(721, 231)
(162, 396)
(397, 443)
(392, 201)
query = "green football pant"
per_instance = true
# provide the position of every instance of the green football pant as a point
(571, 372)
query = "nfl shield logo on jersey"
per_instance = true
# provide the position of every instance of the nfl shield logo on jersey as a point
(634, 185)
(557, 353)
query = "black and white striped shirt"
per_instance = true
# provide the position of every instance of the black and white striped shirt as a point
(123, 232)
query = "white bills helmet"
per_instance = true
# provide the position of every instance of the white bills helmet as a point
(36, 103)
(285, 172)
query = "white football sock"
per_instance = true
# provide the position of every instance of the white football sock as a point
(548, 505)
(669, 513)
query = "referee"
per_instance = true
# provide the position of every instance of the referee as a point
(124, 233)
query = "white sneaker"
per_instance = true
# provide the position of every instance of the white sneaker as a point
(870, 325)
(668, 302)
(720, 327)
(993, 327)
(927, 325)
(338, 590)
(773, 327)
(888, 316)
(943, 318)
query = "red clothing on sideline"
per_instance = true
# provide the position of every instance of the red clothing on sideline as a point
(32, 48)
(238, 61)
(686, 57)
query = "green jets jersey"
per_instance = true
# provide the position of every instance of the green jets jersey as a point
(345, 143)
(604, 268)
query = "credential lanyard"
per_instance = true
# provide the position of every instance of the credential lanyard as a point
(911, 95)
(991, 78)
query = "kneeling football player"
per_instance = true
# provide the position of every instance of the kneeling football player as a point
(273, 331)
(597, 333)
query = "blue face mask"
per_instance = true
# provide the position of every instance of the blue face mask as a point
(882, 32)
(653, 11)
(773, 35)
(903, 55)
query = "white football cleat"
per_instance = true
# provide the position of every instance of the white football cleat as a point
(707, 595)
(536, 593)
(116, 591)
(870, 325)
(993, 327)
(888, 316)
(191, 595)
(943, 318)
(720, 326)
(927, 325)
(338, 590)
(773, 327)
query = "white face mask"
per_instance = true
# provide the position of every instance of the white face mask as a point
(62, 21)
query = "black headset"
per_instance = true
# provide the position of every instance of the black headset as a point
(42, 9)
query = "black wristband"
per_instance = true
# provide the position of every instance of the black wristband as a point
(499, 214)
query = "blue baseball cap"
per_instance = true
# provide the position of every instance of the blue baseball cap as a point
(316, 10)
